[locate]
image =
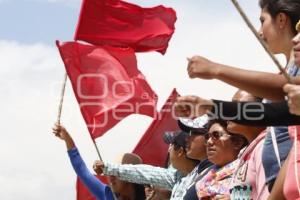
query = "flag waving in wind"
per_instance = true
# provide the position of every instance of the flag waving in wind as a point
(121, 24)
(151, 147)
(107, 84)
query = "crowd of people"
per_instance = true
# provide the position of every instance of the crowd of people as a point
(246, 149)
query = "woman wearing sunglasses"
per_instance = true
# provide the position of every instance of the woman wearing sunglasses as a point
(222, 150)
(278, 20)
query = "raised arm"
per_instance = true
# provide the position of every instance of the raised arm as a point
(256, 113)
(95, 186)
(260, 84)
(140, 174)
(247, 113)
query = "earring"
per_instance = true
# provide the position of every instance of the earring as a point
(298, 26)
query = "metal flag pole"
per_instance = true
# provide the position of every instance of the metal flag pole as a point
(250, 25)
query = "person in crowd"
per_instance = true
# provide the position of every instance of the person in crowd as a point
(296, 43)
(149, 192)
(222, 149)
(278, 18)
(155, 193)
(173, 180)
(287, 183)
(196, 149)
(193, 149)
(249, 177)
(117, 190)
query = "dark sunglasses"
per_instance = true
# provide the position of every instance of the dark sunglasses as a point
(215, 135)
(195, 133)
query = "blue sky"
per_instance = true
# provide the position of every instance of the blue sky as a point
(37, 21)
(32, 21)
(34, 163)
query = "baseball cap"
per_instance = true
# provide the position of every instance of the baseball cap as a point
(178, 138)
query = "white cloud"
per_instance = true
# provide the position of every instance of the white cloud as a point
(35, 164)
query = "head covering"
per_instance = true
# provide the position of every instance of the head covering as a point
(197, 125)
(131, 158)
(178, 138)
(128, 158)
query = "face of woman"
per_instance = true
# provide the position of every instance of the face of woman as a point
(196, 148)
(116, 184)
(296, 41)
(270, 32)
(220, 148)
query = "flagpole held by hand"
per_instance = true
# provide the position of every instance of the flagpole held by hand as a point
(98, 152)
(250, 25)
(60, 111)
(61, 98)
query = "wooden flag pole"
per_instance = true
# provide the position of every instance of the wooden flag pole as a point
(60, 110)
(249, 24)
(61, 98)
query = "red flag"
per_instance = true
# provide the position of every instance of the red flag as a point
(82, 193)
(107, 84)
(151, 147)
(117, 23)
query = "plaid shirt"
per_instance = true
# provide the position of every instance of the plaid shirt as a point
(144, 174)
(170, 178)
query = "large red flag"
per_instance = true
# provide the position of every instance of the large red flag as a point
(151, 147)
(107, 84)
(117, 23)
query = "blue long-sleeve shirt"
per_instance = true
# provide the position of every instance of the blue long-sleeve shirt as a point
(100, 190)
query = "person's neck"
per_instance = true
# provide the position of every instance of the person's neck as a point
(290, 58)
(288, 52)
(187, 167)
(251, 135)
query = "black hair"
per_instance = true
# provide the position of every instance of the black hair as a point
(239, 140)
(177, 147)
(235, 138)
(290, 7)
(167, 161)
(139, 191)
(211, 122)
